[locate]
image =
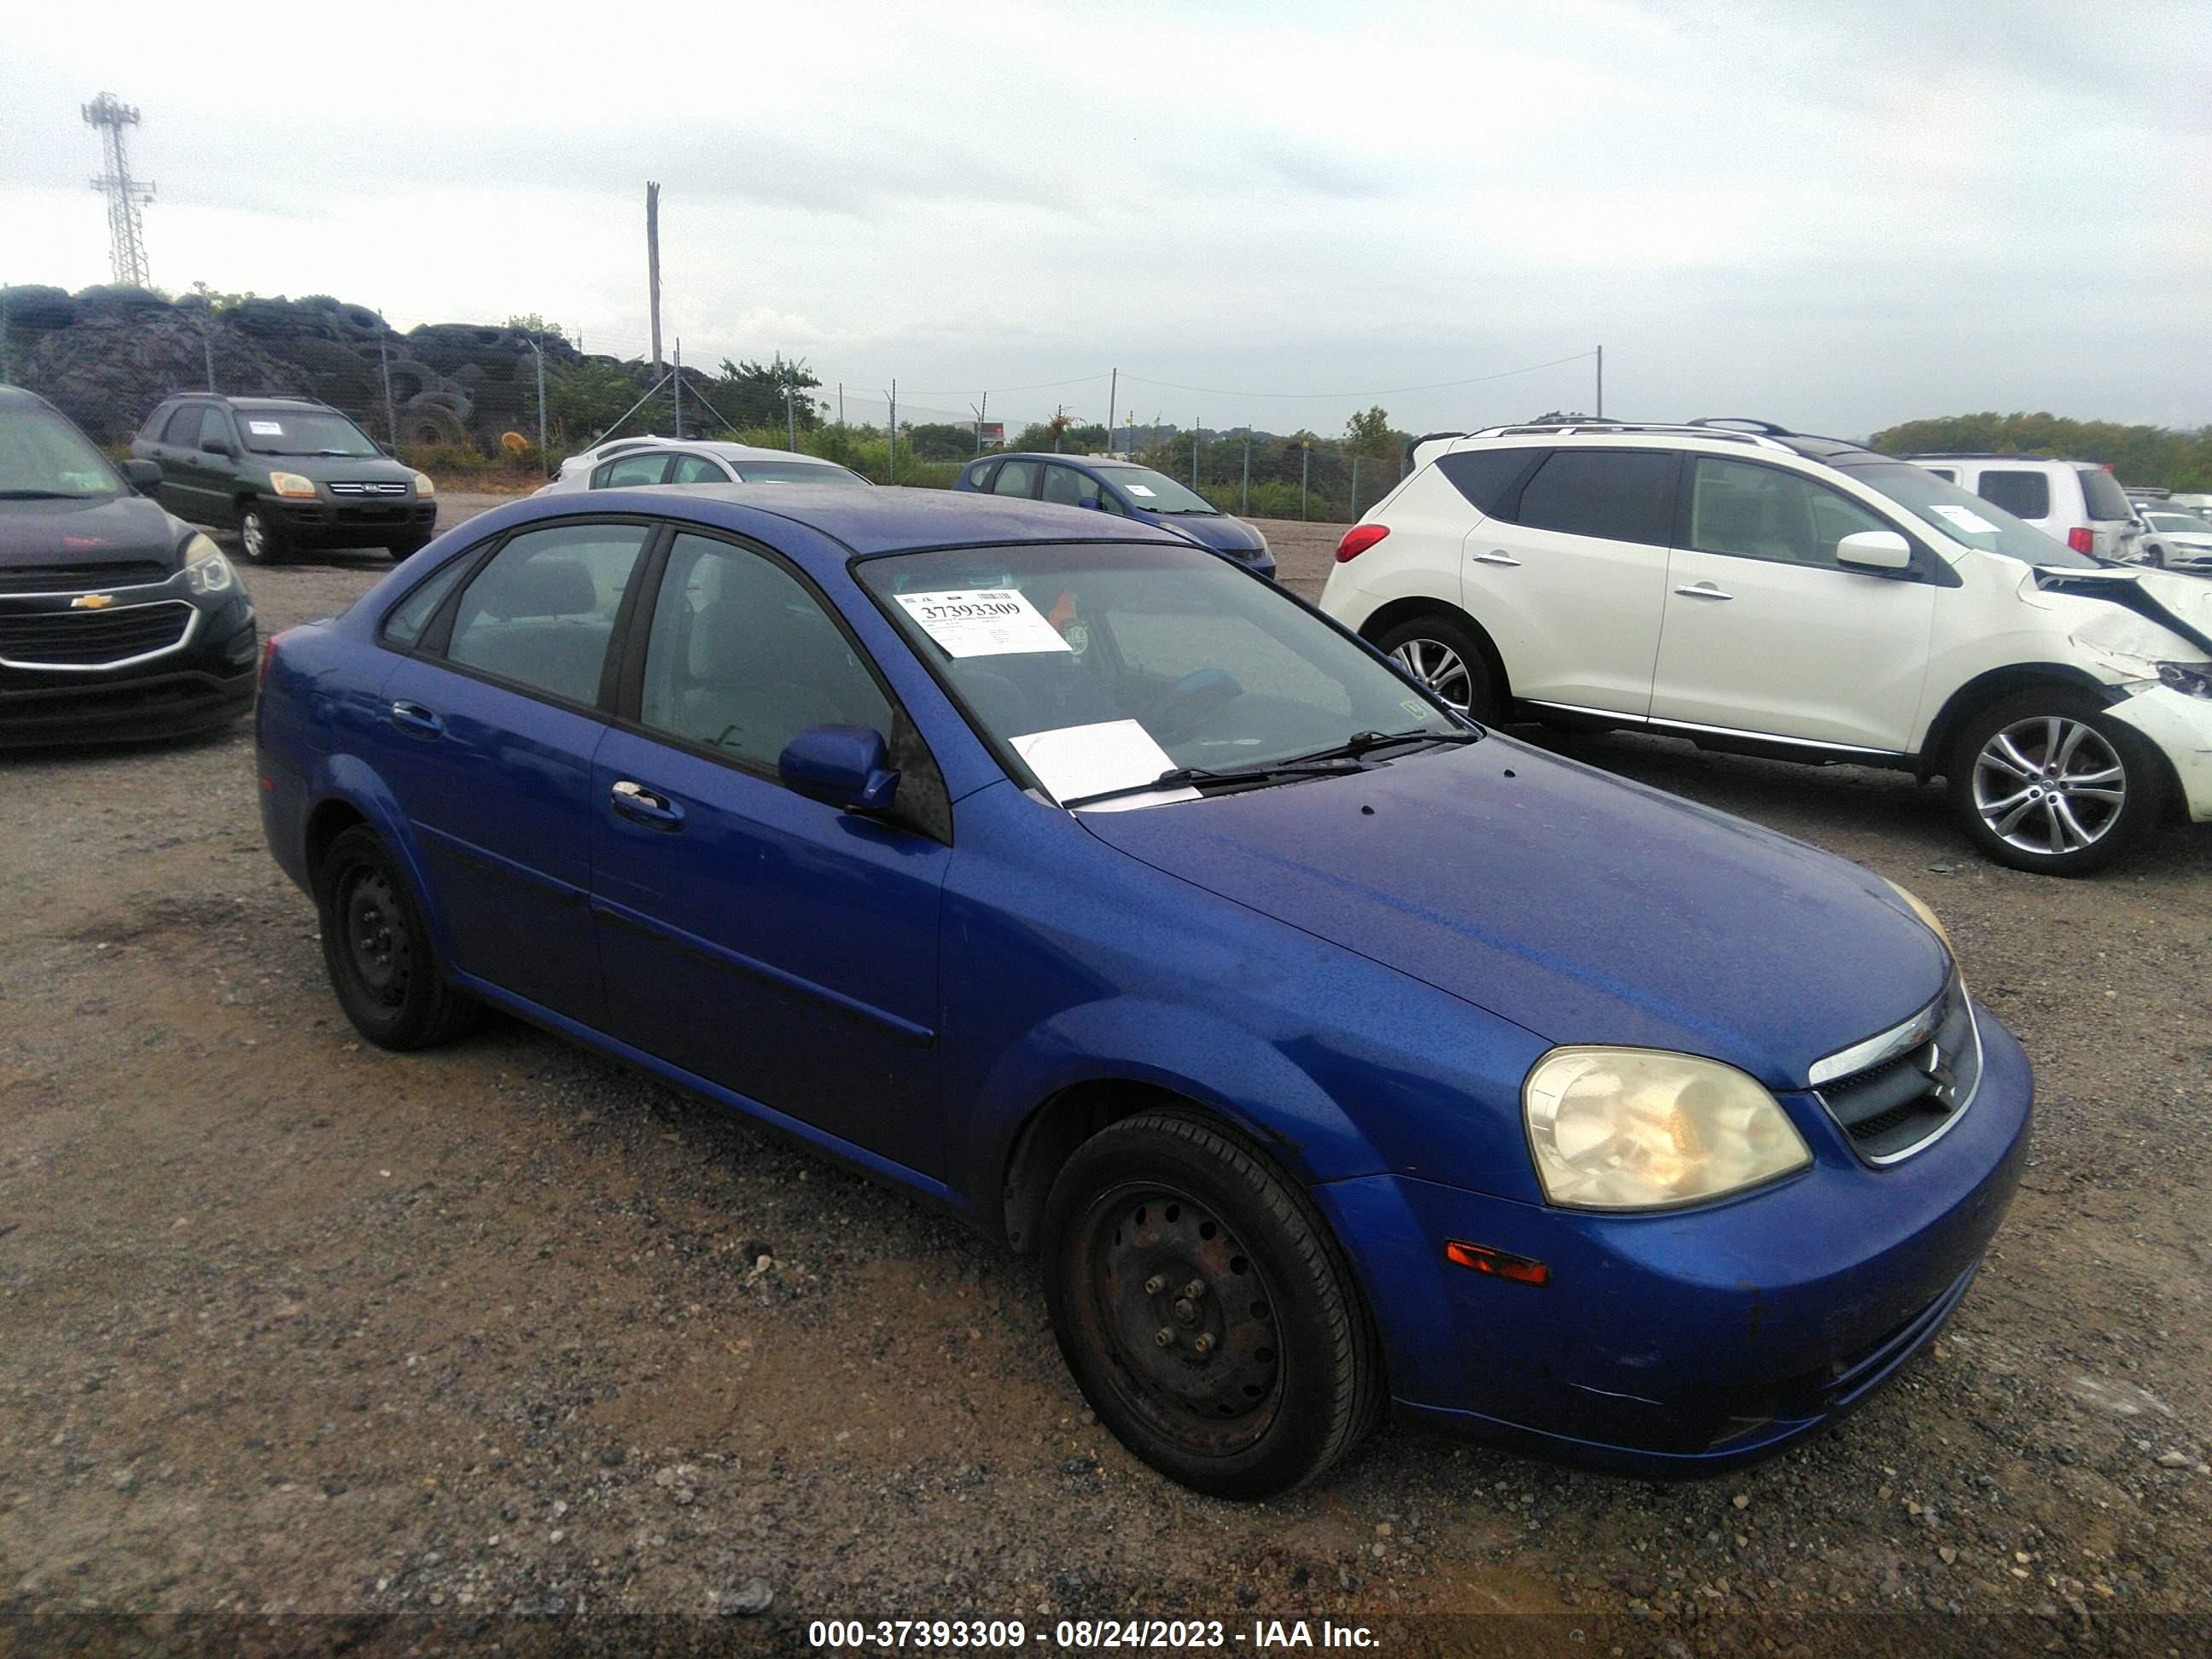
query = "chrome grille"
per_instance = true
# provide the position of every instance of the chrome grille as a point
(1912, 1083)
(69, 578)
(376, 488)
(93, 639)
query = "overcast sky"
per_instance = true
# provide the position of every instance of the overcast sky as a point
(1835, 215)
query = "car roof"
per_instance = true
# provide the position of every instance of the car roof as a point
(892, 520)
(1065, 460)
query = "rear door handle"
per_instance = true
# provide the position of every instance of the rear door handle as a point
(641, 806)
(413, 717)
(1497, 555)
(1703, 591)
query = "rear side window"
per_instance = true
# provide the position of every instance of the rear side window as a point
(1483, 475)
(2023, 493)
(541, 613)
(1618, 494)
(2106, 498)
(404, 625)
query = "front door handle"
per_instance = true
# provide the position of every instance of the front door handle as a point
(1703, 591)
(413, 717)
(641, 806)
(1496, 556)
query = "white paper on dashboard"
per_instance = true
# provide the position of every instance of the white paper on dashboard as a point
(265, 429)
(982, 622)
(1140, 489)
(1966, 518)
(1075, 760)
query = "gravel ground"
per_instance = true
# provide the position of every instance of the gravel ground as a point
(288, 1323)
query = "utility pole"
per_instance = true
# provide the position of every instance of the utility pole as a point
(790, 418)
(891, 462)
(978, 409)
(1355, 486)
(1113, 401)
(1245, 498)
(207, 349)
(679, 390)
(1058, 411)
(653, 265)
(543, 464)
(384, 373)
(7, 370)
(126, 239)
(1601, 383)
(841, 402)
(1196, 421)
(1305, 474)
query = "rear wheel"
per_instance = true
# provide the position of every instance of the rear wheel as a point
(259, 536)
(1204, 1309)
(378, 951)
(1445, 656)
(2047, 781)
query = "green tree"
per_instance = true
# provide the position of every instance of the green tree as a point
(537, 328)
(2152, 456)
(751, 394)
(941, 441)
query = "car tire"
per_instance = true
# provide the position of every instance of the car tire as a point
(406, 550)
(378, 951)
(2047, 781)
(1271, 1372)
(1444, 655)
(260, 538)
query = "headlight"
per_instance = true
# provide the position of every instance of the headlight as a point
(206, 571)
(2192, 679)
(1920, 909)
(291, 484)
(1644, 1129)
(424, 486)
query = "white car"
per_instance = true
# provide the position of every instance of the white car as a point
(2077, 502)
(630, 461)
(2174, 539)
(1773, 594)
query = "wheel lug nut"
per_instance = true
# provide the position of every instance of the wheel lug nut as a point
(1164, 1337)
(1194, 1289)
(1203, 1342)
(1155, 1284)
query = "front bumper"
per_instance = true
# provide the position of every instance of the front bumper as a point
(1689, 1341)
(205, 682)
(2181, 726)
(369, 522)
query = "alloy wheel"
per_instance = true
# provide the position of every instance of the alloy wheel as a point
(2049, 784)
(255, 536)
(1439, 667)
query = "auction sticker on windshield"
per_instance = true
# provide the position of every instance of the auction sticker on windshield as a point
(982, 622)
(1965, 518)
(265, 429)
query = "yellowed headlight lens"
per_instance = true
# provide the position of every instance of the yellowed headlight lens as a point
(1920, 909)
(291, 484)
(424, 485)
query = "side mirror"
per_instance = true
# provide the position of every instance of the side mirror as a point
(1093, 502)
(217, 446)
(144, 476)
(847, 767)
(1875, 550)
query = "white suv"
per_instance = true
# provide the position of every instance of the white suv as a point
(1773, 594)
(2078, 503)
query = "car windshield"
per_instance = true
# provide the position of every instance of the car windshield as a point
(1965, 517)
(795, 472)
(42, 456)
(303, 432)
(2184, 524)
(1102, 667)
(1156, 492)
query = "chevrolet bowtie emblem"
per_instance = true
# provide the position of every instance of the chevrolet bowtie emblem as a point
(92, 601)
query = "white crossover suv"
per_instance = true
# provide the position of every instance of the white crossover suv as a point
(1773, 594)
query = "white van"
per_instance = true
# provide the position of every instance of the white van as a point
(2077, 502)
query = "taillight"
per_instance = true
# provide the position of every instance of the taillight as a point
(1358, 539)
(2082, 539)
(268, 656)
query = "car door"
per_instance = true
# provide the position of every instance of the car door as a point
(1766, 632)
(488, 733)
(1568, 573)
(757, 939)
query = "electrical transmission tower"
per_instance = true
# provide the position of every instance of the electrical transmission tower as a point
(126, 240)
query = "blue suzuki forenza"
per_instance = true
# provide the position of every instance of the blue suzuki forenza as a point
(1332, 1051)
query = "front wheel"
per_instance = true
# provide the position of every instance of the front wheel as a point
(1204, 1309)
(403, 549)
(378, 951)
(2046, 780)
(260, 538)
(1445, 656)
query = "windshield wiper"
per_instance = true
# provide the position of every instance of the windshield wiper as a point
(1183, 777)
(1361, 743)
(43, 496)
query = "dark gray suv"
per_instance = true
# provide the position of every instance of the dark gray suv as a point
(288, 474)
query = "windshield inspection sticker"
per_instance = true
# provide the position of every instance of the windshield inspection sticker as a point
(265, 429)
(1966, 518)
(1076, 761)
(982, 622)
(1138, 490)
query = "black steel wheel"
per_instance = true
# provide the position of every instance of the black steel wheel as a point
(1204, 1309)
(379, 953)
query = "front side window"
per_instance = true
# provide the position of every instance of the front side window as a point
(303, 432)
(542, 612)
(1618, 494)
(2022, 493)
(184, 428)
(648, 469)
(215, 429)
(1762, 513)
(1101, 666)
(1066, 485)
(696, 470)
(1016, 479)
(742, 657)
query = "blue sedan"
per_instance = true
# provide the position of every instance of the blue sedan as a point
(1330, 1050)
(1124, 491)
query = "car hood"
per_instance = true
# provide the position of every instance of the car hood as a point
(366, 469)
(100, 531)
(1579, 907)
(2177, 605)
(1218, 532)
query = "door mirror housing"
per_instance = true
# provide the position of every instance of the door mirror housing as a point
(847, 767)
(144, 476)
(217, 446)
(1875, 550)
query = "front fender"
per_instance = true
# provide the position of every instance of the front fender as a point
(345, 776)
